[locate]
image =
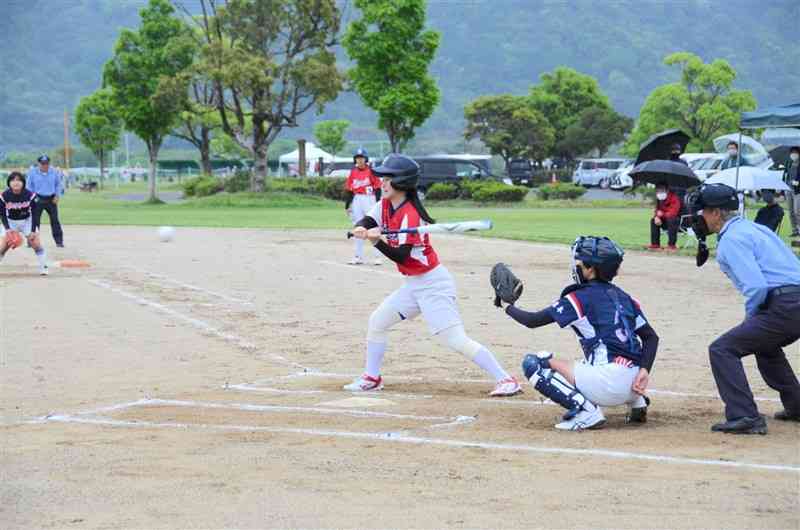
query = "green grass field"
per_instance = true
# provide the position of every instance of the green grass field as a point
(624, 221)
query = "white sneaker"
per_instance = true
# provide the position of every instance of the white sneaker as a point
(377, 262)
(506, 387)
(43, 270)
(583, 420)
(365, 383)
(356, 261)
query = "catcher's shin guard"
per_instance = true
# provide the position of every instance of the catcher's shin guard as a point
(553, 385)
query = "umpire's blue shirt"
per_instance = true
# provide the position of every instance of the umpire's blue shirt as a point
(44, 184)
(756, 260)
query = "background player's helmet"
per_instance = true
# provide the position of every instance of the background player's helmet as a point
(360, 152)
(402, 169)
(712, 196)
(15, 175)
(600, 253)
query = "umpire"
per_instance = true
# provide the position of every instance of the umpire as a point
(46, 183)
(767, 274)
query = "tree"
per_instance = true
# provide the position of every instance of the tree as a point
(142, 75)
(271, 61)
(563, 95)
(330, 135)
(703, 103)
(392, 52)
(200, 118)
(99, 125)
(509, 127)
(596, 128)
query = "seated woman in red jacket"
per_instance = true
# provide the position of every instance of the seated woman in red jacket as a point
(667, 216)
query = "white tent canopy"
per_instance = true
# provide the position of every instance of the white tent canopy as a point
(313, 153)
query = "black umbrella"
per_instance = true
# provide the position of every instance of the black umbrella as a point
(673, 174)
(659, 146)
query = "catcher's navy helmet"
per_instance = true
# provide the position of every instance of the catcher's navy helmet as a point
(600, 253)
(713, 196)
(361, 152)
(402, 169)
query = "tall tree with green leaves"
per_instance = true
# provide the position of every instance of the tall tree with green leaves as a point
(330, 135)
(596, 128)
(562, 95)
(703, 103)
(272, 61)
(142, 75)
(509, 127)
(99, 125)
(393, 51)
(199, 119)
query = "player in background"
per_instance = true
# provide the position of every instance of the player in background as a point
(362, 192)
(16, 214)
(618, 344)
(429, 288)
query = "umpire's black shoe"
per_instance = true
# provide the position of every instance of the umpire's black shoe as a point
(60, 245)
(638, 414)
(785, 416)
(746, 425)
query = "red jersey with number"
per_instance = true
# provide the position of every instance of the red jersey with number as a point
(362, 181)
(422, 258)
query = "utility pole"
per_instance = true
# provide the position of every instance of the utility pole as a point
(66, 140)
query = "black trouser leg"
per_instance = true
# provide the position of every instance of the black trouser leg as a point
(55, 225)
(655, 233)
(762, 334)
(672, 231)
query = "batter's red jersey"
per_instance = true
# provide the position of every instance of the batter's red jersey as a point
(422, 258)
(362, 181)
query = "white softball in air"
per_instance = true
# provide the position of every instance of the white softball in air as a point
(166, 234)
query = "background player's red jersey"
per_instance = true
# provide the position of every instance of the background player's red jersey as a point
(422, 258)
(362, 181)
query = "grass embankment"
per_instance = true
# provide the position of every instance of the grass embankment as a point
(626, 221)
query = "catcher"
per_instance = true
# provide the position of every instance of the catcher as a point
(618, 344)
(16, 214)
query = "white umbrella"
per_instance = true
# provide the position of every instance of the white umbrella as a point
(750, 179)
(750, 148)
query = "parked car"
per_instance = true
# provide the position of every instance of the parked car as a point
(520, 171)
(621, 179)
(340, 169)
(451, 169)
(596, 171)
(705, 167)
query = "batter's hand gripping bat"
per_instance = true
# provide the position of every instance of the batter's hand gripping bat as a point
(441, 228)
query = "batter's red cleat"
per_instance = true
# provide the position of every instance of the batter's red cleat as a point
(365, 383)
(672, 248)
(653, 247)
(506, 387)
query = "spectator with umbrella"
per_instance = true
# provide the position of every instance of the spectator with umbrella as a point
(666, 217)
(675, 154)
(733, 159)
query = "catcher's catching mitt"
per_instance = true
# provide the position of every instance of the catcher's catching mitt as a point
(507, 287)
(13, 239)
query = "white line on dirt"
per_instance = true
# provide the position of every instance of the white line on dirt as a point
(443, 442)
(333, 375)
(199, 324)
(191, 287)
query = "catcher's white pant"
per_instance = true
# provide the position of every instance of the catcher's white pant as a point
(607, 385)
(23, 226)
(361, 206)
(433, 295)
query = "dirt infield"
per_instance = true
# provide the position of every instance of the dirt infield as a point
(196, 384)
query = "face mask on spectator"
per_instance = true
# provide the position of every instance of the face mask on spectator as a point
(732, 152)
(795, 157)
(662, 195)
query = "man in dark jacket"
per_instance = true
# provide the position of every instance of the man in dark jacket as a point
(791, 176)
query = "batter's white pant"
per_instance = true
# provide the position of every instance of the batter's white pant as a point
(607, 385)
(362, 204)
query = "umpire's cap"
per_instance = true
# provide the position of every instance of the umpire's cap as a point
(600, 253)
(402, 169)
(719, 196)
(44, 159)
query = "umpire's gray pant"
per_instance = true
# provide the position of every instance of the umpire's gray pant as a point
(763, 334)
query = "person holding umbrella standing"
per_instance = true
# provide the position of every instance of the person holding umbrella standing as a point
(733, 159)
(46, 182)
(791, 176)
(767, 273)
